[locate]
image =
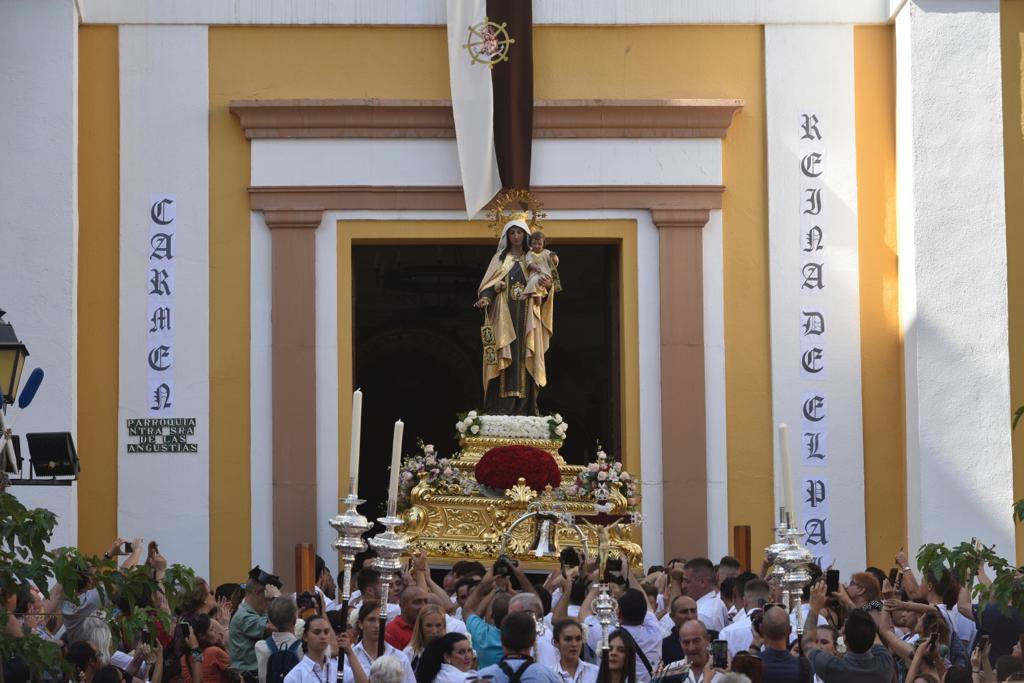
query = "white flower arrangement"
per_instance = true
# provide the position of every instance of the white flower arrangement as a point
(550, 428)
(602, 476)
(427, 467)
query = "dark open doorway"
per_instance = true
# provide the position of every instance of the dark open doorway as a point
(417, 349)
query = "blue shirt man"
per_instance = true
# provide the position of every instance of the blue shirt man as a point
(518, 635)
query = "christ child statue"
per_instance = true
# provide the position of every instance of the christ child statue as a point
(541, 263)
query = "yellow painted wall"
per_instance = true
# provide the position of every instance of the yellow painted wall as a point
(885, 472)
(98, 250)
(1012, 30)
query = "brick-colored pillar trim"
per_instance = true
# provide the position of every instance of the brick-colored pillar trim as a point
(683, 419)
(293, 376)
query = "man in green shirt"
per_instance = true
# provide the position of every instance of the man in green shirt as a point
(249, 624)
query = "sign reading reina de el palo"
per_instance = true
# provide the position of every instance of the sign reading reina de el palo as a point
(162, 435)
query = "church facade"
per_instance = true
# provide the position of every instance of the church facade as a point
(814, 212)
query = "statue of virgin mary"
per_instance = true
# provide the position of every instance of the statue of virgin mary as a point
(520, 325)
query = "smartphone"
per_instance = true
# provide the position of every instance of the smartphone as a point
(144, 635)
(186, 630)
(832, 581)
(720, 654)
(893, 575)
(128, 548)
(982, 643)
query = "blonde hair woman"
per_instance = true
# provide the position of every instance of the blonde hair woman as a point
(430, 624)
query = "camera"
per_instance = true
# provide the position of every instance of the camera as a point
(259, 576)
(503, 566)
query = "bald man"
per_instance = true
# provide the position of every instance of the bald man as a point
(694, 637)
(778, 662)
(398, 632)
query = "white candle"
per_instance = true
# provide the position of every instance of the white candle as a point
(396, 463)
(353, 451)
(787, 470)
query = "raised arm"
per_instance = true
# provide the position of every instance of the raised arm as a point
(476, 596)
(561, 609)
(896, 645)
(525, 584)
(423, 579)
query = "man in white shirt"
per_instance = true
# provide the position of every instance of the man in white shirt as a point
(546, 653)
(368, 581)
(699, 584)
(696, 644)
(738, 633)
(282, 614)
(637, 620)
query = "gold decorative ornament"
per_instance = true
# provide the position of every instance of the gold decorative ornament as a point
(515, 204)
(488, 43)
(454, 525)
(459, 527)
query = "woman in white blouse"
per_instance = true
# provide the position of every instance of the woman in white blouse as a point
(317, 664)
(568, 638)
(448, 659)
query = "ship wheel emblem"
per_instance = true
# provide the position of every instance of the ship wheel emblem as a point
(488, 43)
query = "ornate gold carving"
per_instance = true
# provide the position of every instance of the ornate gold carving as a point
(450, 526)
(521, 492)
(515, 204)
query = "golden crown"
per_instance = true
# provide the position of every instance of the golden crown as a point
(514, 204)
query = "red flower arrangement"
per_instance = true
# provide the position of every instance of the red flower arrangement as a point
(501, 468)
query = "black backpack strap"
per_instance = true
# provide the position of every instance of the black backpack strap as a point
(806, 674)
(639, 652)
(514, 676)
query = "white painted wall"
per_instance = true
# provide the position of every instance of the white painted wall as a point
(952, 254)
(261, 417)
(436, 162)
(164, 149)
(327, 452)
(432, 12)
(719, 531)
(39, 221)
(810, 69)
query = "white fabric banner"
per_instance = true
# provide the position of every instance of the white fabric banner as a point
(160, 288)
(815, 290)
(472, 107)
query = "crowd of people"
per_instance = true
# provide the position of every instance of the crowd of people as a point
(691, 621)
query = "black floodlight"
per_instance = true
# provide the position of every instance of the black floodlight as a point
(52, 454)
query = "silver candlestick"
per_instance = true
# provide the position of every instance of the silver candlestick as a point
(390, 547)
(777, 572)
(795, 560)
(604, 608)
(350, 527)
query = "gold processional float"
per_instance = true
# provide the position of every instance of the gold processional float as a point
(450, 512)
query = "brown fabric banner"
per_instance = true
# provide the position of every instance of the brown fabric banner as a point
(512, 82)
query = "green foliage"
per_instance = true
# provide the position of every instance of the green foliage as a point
(24, 558)
(963, 562)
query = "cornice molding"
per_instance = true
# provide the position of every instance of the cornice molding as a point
(678, 205)
(398, 119)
